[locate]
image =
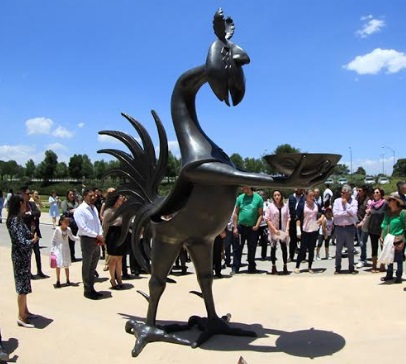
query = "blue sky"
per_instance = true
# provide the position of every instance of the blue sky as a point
(325, 75)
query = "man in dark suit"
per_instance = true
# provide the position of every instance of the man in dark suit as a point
(294, 200)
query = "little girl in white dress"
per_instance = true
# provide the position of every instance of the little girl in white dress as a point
(60, 248)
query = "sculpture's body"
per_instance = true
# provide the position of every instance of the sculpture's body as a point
(202, 200)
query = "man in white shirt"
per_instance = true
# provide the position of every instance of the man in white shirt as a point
(345, 211)
(91, 237)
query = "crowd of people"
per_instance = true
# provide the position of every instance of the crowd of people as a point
(298, 225)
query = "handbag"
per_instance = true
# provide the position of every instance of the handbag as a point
(388, 250)
(52, 260)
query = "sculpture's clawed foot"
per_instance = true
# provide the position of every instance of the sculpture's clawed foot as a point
(216, 326)
(146, 334)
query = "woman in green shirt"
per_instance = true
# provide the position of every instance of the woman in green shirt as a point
(394, 223)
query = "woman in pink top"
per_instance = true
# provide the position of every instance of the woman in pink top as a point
(277, 218)
(307, 227)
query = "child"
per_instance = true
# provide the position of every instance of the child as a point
(60, 247)
(325, 232)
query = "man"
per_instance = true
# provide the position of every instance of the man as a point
(247, 219)
(31, 219)
(318, 199)
(293, 201)
(401, 192)
(362, 232)
(327, 196)
(345, 211)
(91, 237)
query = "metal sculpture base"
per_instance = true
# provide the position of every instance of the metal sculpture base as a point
(146, 334)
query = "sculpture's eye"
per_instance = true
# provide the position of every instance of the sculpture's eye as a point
(225, 52)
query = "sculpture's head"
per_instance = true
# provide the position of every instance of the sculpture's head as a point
(224, 62)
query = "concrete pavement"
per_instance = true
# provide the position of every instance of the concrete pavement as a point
(331, 319)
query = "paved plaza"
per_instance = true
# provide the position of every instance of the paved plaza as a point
(321, 317)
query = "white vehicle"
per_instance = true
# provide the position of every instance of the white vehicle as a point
(369, 180)
(329, 181)
(342, 181)
(383, 180)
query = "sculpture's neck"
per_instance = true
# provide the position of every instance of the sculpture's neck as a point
(194, 144)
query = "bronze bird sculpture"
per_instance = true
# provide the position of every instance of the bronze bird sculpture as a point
(203, 197)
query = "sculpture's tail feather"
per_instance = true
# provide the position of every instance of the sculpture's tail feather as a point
(142, 173)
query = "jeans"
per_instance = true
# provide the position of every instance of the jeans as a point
(230, 241)
(362, 239)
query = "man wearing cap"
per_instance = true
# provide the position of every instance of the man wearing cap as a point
(345, 211)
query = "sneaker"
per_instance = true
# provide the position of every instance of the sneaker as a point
(398, 280)
(296, 270)
(329, 257)
(353, 271)
(58, 284)
(318, 257)
(361, 264)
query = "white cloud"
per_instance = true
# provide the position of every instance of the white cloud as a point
(173, 146)
(62, 132)
(378, 60)
(38, 125)
(107, 139)
(56, 146)
(81, 125)
(370, 26)
(20, 153)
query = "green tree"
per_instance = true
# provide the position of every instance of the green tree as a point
(173, 167)
(253, 165)
(99, 168)
(10, 169)
(361, 170)
(75, 166)
(62, 170)
(48, 165)
(237, 160)
(87, 167)
(30, 168)
(341, 169)
(399, 169)
(285, 148)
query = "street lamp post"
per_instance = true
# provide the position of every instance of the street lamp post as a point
(383, 163)
(350, 160)
(393, 153)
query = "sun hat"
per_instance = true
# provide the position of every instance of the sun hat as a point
(394, 197)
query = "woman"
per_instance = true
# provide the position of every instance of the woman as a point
(307, 227)
(394, 223)
(22, 241)
(53, 208)
(112, 232)
(68, 208)
(277, 218)
(376, 210)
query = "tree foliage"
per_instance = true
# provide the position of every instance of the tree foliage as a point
(399, 169)
(341, 169)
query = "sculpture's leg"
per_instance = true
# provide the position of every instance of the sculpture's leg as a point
(163, 256)
(202, 257)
